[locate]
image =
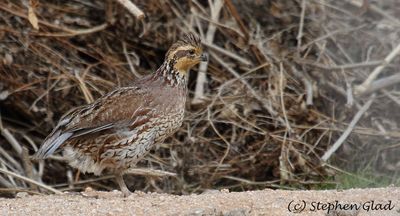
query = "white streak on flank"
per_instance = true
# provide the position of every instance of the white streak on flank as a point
(134, 113)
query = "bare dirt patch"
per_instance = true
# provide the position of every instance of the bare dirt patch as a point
(380, 201)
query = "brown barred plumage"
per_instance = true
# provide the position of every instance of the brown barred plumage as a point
(117, 130)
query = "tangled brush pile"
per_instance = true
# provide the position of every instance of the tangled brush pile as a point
(284, 81)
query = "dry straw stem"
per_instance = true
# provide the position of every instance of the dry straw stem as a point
(31, 14)
(307, 84)
(74, 32)
(281, 87)
(348, 130)
(7, 159)
(301, 26)
(6, 172)
(132, 8)
(149, 172)
(10, 138)
(82, 85)
(367, 83)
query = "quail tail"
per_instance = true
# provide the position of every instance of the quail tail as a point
(51, 144)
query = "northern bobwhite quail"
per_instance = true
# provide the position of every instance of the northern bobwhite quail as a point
(117, 130)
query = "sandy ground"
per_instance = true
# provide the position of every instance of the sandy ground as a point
(382, 201)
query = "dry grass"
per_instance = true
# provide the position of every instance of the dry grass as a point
(284, 81)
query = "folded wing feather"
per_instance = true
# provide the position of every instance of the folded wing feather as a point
(74, 124)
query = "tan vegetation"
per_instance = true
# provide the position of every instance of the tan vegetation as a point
(289, 86)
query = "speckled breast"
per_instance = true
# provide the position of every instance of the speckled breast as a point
(156, 130)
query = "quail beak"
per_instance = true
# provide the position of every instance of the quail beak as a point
(203, 57)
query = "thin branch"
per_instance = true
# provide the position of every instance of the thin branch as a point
(282, 98)
(349, 93)
(366, 84)
(227, 53)
(201, 76)
(348, 130)
(6, 157)
(307, 84)
(149, 172)
(383, 83)
(11, 139)
(6, 172)
(86, 92)
(301, 26)
(73, 32)
(236, 16)
(393, 98)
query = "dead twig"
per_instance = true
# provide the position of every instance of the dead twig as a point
(307, 84)
(281, 87)
(367, 83)
(382, 83)
(82, 85)
(73, 32)
(28, 167)
(132, 8)
(6, 172)
(149, 172)
(339, 67)
(348, 130)
(11, 139)
(215, 8)
(228, 53)
(301, 25)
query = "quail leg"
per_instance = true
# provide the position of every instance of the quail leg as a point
(120, 180)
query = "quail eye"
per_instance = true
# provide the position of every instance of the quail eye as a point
(191, 52)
